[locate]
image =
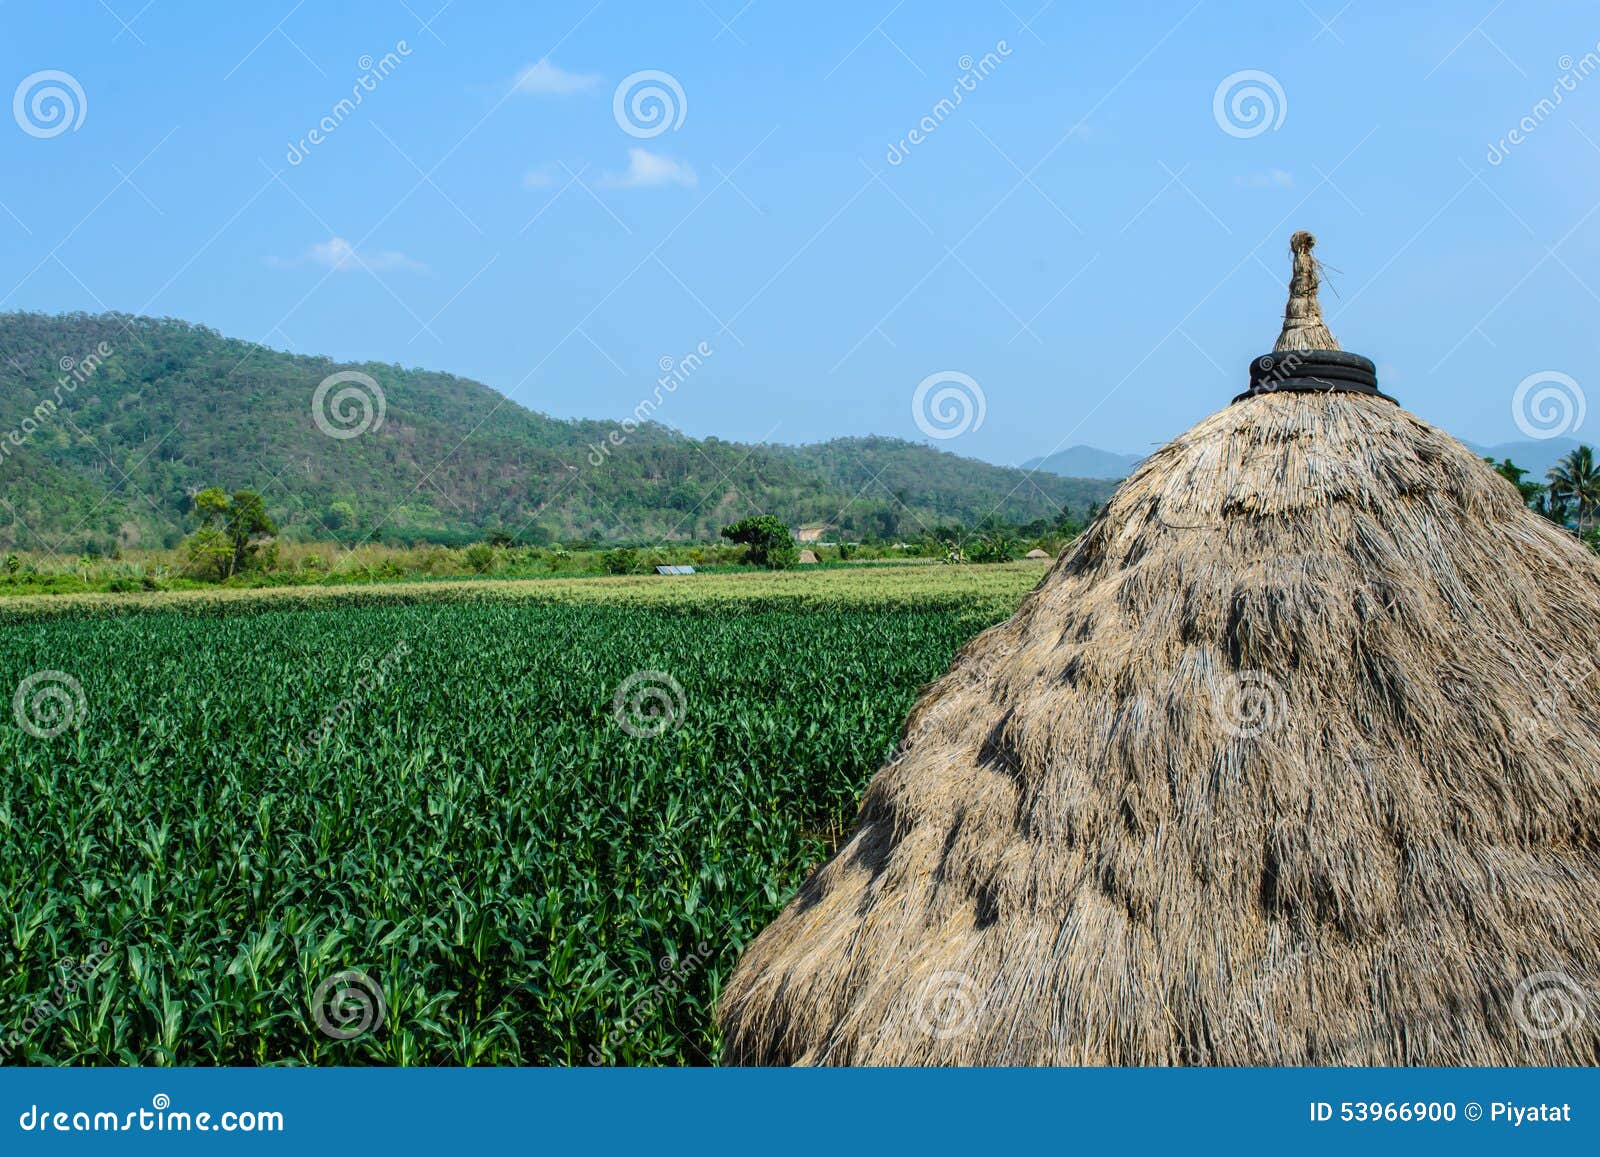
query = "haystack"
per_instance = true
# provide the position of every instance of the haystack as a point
(1036, 554)
(807, 557)
(1290, 759)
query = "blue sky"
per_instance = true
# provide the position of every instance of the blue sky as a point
(1088, 236)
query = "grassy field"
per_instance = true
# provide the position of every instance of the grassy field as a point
(868, 584)
(455, 823)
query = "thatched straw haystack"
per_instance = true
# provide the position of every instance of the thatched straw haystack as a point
(1290, 759)
(1037, 555)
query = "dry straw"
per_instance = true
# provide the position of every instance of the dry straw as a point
(1290, 759)
(1303, 327)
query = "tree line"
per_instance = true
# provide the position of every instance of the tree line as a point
(1569, 496)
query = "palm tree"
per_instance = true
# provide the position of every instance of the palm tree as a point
(1576, 480)
(1517, 476)
(1535, 495)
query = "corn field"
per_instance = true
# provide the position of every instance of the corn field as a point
(464, 830)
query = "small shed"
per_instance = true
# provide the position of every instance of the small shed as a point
(674, 570)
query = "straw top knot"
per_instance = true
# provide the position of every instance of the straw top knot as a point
(1307, 359)
(1303, 327)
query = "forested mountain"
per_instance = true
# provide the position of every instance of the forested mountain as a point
(1085, 462)
(110, 423)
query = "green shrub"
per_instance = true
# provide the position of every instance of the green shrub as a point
(623, 560)
(768, 541)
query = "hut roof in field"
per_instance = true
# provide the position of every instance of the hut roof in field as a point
(1290, 759)
(1037, 553)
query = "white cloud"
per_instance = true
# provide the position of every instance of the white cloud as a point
(647, 170)
(1272, 179)
(335, 253)
(340, 256)
(545, 79)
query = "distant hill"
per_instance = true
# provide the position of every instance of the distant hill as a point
(1534, 457)
(173, 408)
(1086, 462)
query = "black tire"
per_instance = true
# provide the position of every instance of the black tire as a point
(1302, 361)
(1320, 374)
(1264, 377)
